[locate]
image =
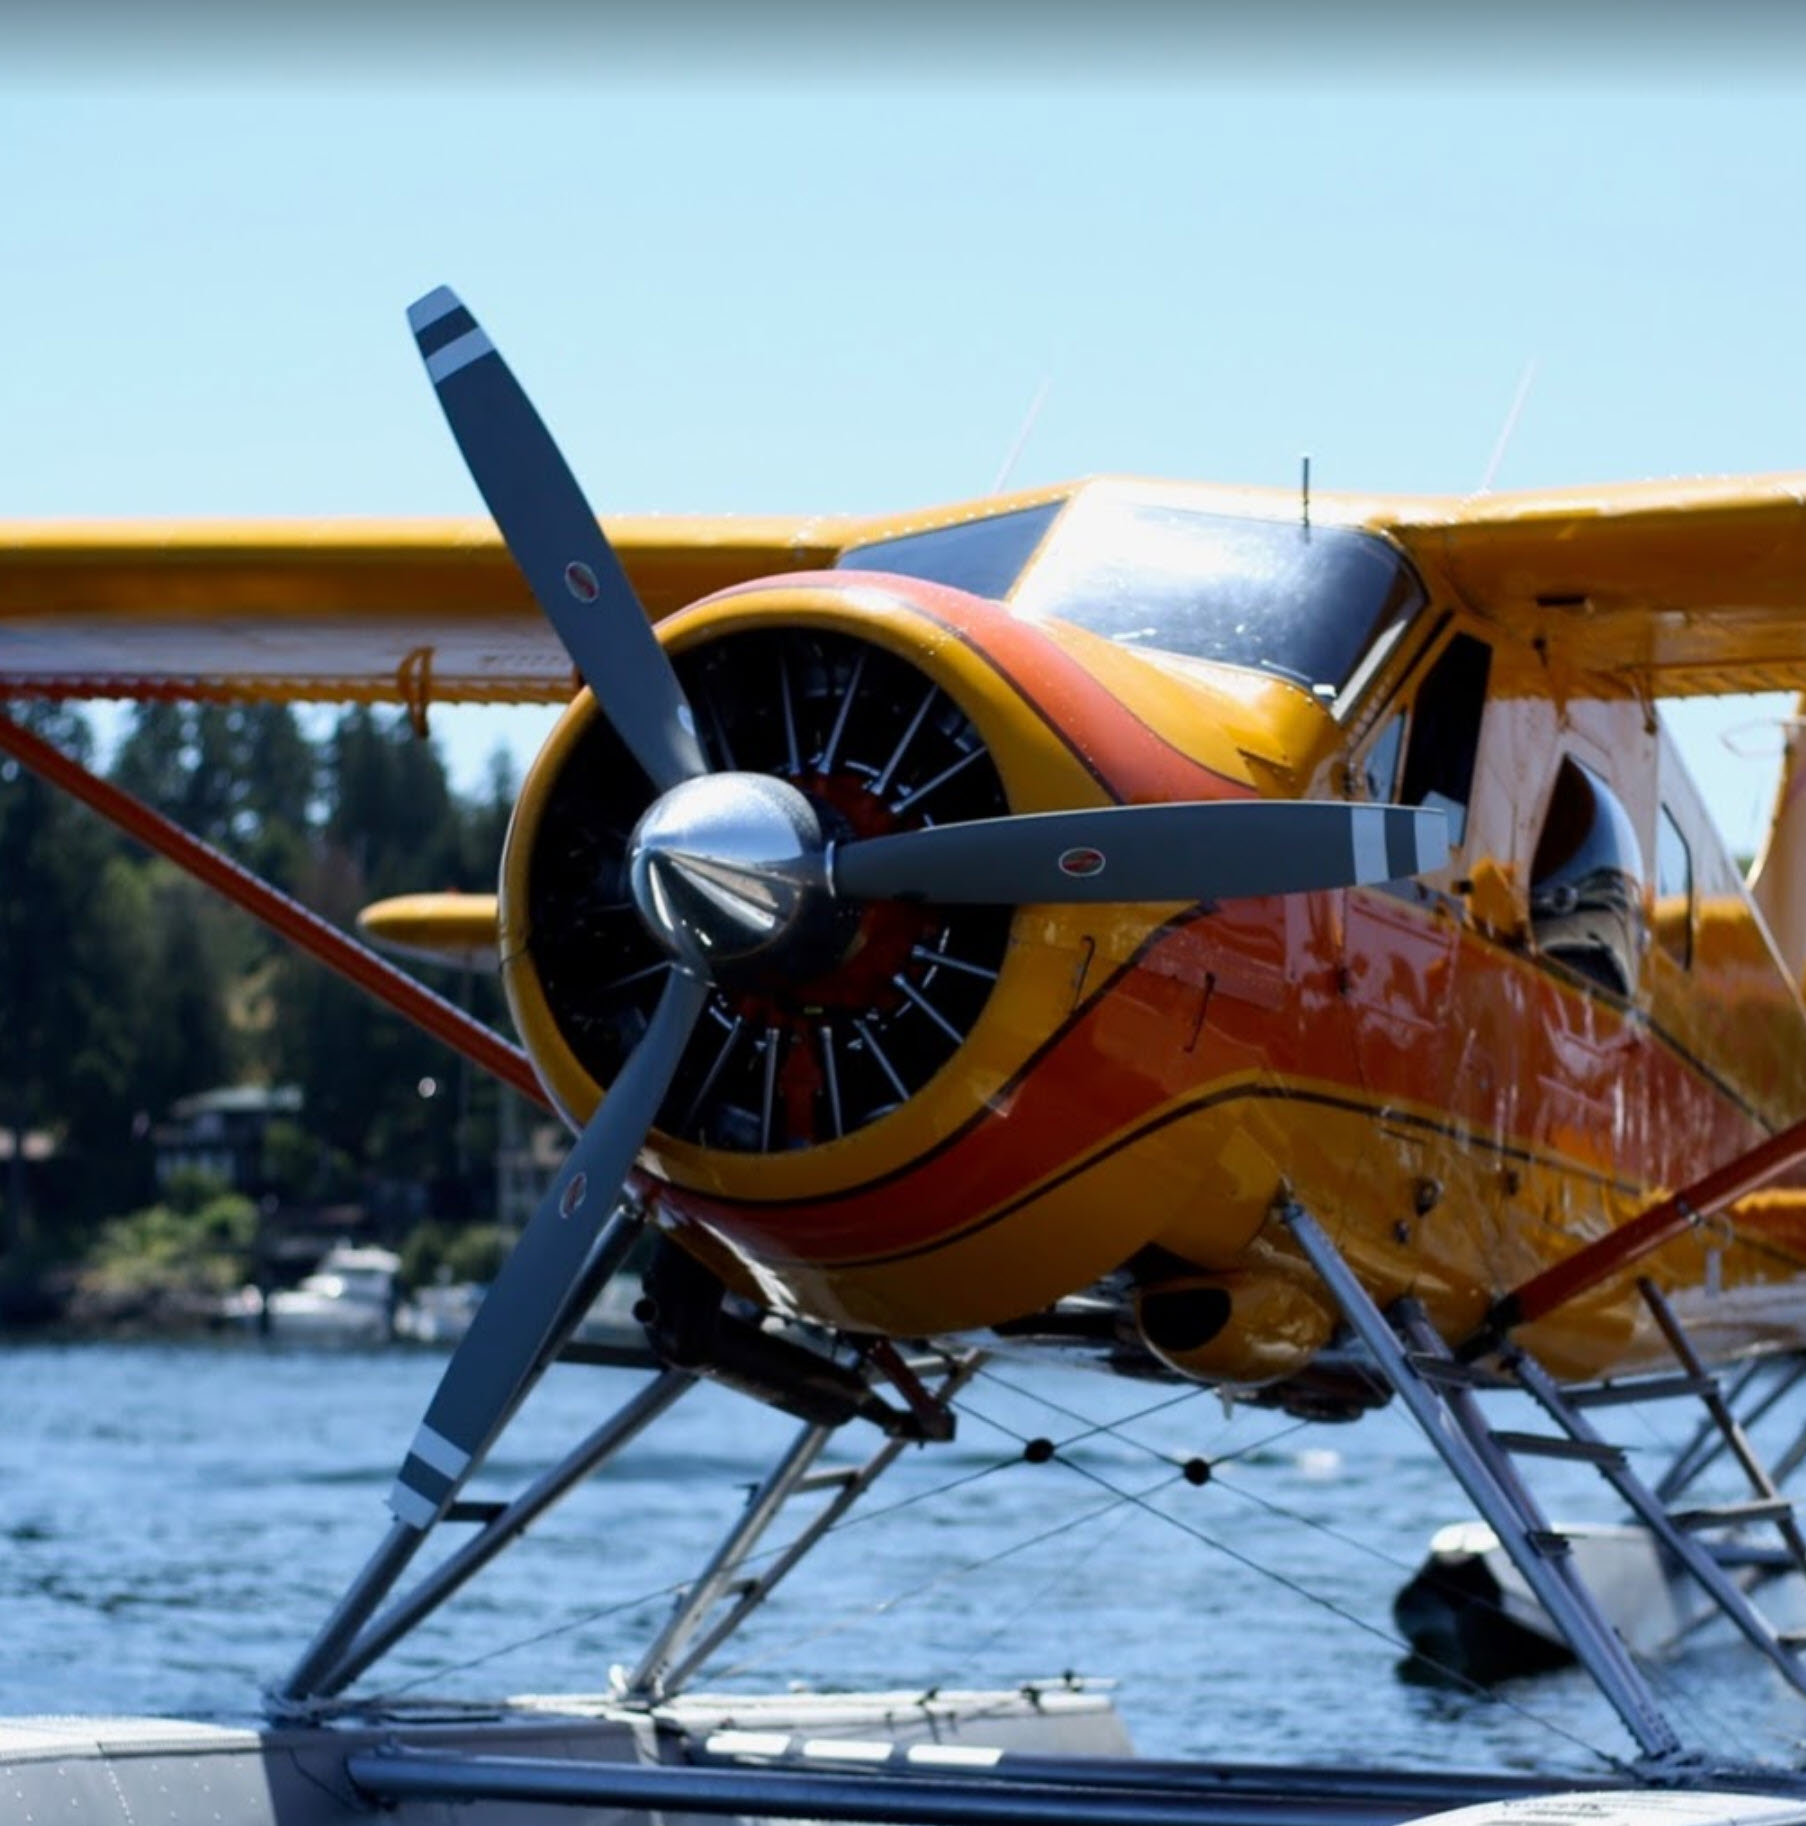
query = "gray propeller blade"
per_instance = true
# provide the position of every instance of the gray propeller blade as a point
(567, 560)
(518, 1315)
(1215, 850)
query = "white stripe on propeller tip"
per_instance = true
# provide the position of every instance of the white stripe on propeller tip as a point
(411, 1507)
(445, 362)
(1394, 842)
(1367, 828)
(1432, 834)
(441, 1453)
(441, 301)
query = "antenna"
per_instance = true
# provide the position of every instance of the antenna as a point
(1510, 425)
(1028, 425)
(1304, 489)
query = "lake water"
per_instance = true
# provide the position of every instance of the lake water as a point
(175, 1521)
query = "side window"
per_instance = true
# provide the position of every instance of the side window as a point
(1379, 772)
(1674, 890)
(1445, 732)
(1586, 883)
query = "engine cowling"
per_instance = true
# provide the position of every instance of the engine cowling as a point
(780, 1062)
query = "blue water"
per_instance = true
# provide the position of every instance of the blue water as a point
(175, 1521)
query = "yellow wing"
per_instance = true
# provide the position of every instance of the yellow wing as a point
(413, 612)
(1664, 588)
(1672, 589)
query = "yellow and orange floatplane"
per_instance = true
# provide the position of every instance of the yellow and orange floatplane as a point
(1211, 931)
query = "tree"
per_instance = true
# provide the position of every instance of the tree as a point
(242, 777)
(199, 951)
(72, 962)
(376, 1089)
(124, 985)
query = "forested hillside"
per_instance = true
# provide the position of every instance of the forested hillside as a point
(124, 985)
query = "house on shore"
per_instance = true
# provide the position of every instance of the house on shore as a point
(225, 1133)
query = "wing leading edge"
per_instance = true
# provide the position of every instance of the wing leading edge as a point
(406, 612)
(1666, 589)
(1671, 589)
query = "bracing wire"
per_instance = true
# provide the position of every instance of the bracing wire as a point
(854, 1519)
(1123, 1505)
(516, 1644)
(1298, 1589)
(1114, 1428)
(882, 1607)
(1672, 1689)
(1037, 1601)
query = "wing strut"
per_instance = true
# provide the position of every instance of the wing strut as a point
(357, 963)
(1618, 1249)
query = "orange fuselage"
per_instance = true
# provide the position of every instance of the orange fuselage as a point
(1145, 1081)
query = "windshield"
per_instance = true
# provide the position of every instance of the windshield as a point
(1301, 602)
(983, 556)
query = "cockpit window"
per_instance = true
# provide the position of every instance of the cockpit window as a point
(1301, 602)
(983, 556)
(1586, 882)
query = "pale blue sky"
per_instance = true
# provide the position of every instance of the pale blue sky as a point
(837, 282)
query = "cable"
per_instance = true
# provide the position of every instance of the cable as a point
(1038, 1599)
(1675, 1693)
(854, 1519)
(1304, 1591)
(1679, 1698)
(1113, 1428)
(520, 1642)
(849, 1618)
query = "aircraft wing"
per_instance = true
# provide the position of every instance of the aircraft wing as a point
(1670, 589)
(1677, 589)
(400, 611)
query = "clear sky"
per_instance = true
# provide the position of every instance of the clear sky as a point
(765, 259)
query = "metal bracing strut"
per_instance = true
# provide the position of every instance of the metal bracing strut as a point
(1684, 1548)
(689, 1638)
(342, 1644)
(501, 1525)
(1773, 1505)
(1441, 1392)
(1707, 1443)
(720, 1599)
(1438, 1392)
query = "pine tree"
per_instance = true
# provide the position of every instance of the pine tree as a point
(71, 962)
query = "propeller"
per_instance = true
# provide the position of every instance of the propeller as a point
(734, 869)
(568, 563)
(1208, 851)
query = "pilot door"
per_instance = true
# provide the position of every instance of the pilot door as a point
(1400, 939)
(1403, 954)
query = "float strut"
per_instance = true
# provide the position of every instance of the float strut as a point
(1448, 1420)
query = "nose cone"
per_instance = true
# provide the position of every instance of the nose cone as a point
(728, 870)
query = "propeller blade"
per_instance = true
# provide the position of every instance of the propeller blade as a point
(1212, 850)
(567, 560)
(520, 1312)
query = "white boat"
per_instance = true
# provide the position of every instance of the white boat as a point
(439, 1313)
(350, 1298)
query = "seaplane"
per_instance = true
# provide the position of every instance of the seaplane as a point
(1244, 937)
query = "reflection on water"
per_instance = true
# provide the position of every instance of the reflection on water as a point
(176, 1520)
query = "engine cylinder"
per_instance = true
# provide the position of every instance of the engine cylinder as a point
(808, 1042)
